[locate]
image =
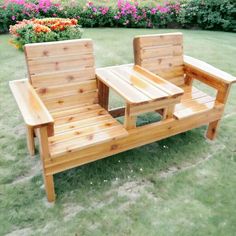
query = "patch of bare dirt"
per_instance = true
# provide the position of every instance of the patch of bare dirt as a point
(21, 232)
(34, 171)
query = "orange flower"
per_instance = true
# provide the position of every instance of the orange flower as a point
(41, 28)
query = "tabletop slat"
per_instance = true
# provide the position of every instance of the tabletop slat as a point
(136, 80)
(129, 93)
(137, 85)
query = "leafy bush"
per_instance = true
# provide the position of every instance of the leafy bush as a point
(204, 14)
(208, 14)
(44, 30)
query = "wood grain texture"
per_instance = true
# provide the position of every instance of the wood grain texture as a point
(33, 110)
(205, 70)
(161, 54)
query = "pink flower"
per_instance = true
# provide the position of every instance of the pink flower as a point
(13, 17)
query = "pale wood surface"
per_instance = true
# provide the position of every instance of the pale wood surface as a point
(79, 128)
(161, 54)
(200, 67)
(63, 73)
(135, 138)
(32, 108)
(136, 85)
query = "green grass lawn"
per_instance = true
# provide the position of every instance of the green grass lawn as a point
(183, 185)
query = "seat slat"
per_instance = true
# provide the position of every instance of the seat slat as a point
(80, 116)
(88, 140)
(193, 102)
(75, 110)
(97, 120)
(82, 131)
(197, 109)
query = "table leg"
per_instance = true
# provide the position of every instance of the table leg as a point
(130, 121)
(103, 94)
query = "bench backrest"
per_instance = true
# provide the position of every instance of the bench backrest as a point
(63, 73)
(161, 54)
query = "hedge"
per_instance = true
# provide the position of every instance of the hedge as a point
(202, 14)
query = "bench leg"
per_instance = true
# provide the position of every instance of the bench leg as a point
(30, 140)
(212, 129)
(49, 187)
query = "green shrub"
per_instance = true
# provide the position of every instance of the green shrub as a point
(44, 30)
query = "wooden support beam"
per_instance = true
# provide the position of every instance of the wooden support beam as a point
(44, 154)
(30, 140)
(130, 120)
(103, 94)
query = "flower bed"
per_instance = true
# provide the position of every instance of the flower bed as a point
(44, 30)
(204, 14)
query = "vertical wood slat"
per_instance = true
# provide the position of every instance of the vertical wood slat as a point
(103, 94)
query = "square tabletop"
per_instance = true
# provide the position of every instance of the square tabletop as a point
(136, 84)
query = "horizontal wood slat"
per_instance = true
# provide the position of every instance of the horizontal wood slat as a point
(162, 55)
(59, 91)
(32, 109)
(52, 49)
(61, 63)
(76, 75)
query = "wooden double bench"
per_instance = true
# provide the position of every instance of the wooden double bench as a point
(64, 101)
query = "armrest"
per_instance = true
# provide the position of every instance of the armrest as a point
(34, 112)
(207, 72)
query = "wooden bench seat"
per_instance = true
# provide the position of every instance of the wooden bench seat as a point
(65, 103)
(194, 102)
(79, 128)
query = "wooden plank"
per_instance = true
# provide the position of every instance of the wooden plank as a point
(159, 82)
(129, 119)
(53, 49)
(128, 92)
(88, 140)
(30, 140)
(43, 79)
(162, 62)
(33, 110)
(80, 116)
(61, 63)
(154, 132)
(64, 138)
(103, 94)
(152, 106)
(58, 91)
(159, 52)
(195, 110)
(206, 70)
(136, 80)
(117, 112)
(70, 101)
(97, 120)
(159, 39)
(75, 110)
(192, 103)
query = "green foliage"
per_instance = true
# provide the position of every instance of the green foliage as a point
(208, 14)
(44, 30)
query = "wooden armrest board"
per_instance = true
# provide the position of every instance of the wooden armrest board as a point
(198, 66)
(32, 108)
